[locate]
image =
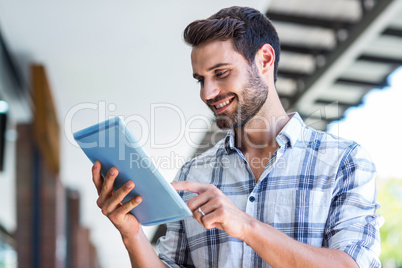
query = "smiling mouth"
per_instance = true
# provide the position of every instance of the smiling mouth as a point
(222, 105)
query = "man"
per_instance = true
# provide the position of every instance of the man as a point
(274, 192)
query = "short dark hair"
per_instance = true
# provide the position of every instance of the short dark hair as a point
(248, 28)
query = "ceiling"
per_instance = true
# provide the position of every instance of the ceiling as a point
(334, 52)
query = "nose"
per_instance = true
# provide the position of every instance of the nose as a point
(209, 90)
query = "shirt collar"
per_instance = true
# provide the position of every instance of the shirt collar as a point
(289, 134)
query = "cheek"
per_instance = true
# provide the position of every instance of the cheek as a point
(228, 86)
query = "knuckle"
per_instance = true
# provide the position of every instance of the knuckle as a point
(215, 191)
(99, 203)
(190, 204)
(220, 212)
(104, 211)
(213, 186)
(119, 195)
(218, 201)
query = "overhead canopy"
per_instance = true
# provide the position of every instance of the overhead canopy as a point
(334, 52)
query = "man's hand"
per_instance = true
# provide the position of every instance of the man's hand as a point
(219, 211)
(111, 201)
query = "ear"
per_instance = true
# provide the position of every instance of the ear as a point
(265, 58)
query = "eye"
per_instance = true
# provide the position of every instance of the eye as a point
(200, 81)
(222, 74)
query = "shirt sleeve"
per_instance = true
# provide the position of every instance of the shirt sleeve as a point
(353, 224)
(173, 247)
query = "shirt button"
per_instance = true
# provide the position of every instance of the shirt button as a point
(252, 199)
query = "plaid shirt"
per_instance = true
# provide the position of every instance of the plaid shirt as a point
(316, 188)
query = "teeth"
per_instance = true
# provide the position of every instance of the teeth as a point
(223, 104)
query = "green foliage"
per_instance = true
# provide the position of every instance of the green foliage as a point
(390, 199)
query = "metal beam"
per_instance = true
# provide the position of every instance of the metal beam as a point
(378, 59)
(292, 74)
(370, 25)
(342, 104)
(309, 21)
(393, 32)
(305, 50)
(362, 83)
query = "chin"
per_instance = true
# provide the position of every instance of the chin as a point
(223, 124)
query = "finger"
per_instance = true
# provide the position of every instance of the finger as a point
(129, 205)
(197, 214)
(212, 205)
(118, 215)
(191, 186)
(107, 186)
(96, 176)
(210, 220)
(203, 198)
(115, 200)
(207, 208)
(198, 201)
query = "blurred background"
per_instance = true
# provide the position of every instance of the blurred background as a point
(65, 65)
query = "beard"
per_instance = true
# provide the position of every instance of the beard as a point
(253, 95)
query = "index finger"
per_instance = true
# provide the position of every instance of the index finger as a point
(191, 186)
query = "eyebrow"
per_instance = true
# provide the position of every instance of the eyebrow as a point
(195, 75)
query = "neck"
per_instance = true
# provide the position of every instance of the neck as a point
(259, 134)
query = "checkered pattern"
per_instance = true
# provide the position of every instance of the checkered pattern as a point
(316, 188)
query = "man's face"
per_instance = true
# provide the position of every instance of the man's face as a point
(231, 88)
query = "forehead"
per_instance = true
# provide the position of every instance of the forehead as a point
(206, 55)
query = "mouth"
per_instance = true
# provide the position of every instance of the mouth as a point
(222, 105)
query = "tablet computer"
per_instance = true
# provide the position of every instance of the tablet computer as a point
(113, 144)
